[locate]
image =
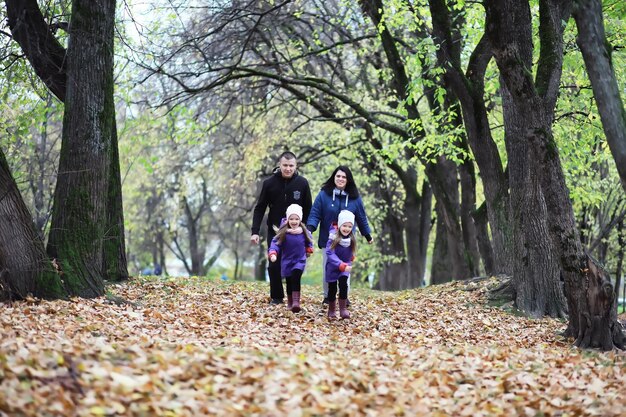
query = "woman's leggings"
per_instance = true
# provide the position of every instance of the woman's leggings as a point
(343, 289)
(293, 281)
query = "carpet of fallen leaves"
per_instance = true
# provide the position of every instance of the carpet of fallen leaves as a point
(188, 347)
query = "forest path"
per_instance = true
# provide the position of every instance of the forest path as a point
(190, 346)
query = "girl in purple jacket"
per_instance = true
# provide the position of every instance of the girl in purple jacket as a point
(293, 242)
(340, 251)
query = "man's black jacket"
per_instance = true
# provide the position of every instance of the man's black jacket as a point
(278, 193)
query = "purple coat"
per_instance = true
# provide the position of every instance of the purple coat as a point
(292, 252)
(338, 259)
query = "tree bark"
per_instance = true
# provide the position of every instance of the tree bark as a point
(395, 274)
(425, 228)
(597, 56)
(417, 212)
(484, 243)
(468, 206)
(115, 267)
(52, 62)
(24, 267)
(591, 307)
(469, 88)
(196, 249)
(79, 217)
(536, 269)
(41, 48)
(444, 182)
(440, 266)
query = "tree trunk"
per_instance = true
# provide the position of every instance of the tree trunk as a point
(196, 249)
(46, 55)
(114, 257)
(469, 88)
(403, 236)
(468, 206)
(399, 81)
(443, 180)
(484, 243)
(417, 213)
(395, 273)
(592, 312)
(536, 271)
(425, 226)
(597, 55)
(80, 216)
(24, 266)
(621, 242)
(440, 267)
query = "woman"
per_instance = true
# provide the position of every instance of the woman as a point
(338, 193)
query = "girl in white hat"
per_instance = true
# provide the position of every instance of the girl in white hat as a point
(293, 244)
(340, 252)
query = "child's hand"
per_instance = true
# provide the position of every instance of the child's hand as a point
(348, 268)
(272, 258)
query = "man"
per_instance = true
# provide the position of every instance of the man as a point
(283, 188)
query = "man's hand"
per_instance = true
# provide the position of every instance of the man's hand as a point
(254, 239)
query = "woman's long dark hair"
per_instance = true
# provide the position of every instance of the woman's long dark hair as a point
(351, 189)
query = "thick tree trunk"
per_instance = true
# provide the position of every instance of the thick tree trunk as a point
(417, 229)
(484, 243)
(536, 271)
(24, 267)
(536, 268)
(597, 55)
(444, 182)
(80, 215)
(592, 312)
(469, 88)
(468, 206)
(114, 257)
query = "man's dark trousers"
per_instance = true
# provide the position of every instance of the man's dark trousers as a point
(276, 280)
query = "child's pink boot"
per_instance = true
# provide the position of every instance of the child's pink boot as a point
(295, 306)
(289, 301)
(343, 309)
(331, 310)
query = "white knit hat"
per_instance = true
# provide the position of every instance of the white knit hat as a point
(294, 209)
(345, 216)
